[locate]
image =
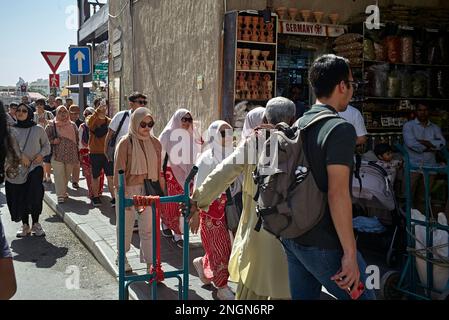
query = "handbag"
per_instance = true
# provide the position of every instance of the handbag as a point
(19, 172)
(232, 212)
(110, 148)
(101, 131)
(66, 151)
(153, 188)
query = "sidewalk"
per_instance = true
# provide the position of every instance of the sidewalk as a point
(95, 227)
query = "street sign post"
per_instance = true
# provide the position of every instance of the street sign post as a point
(80, 65)
(80, 61)
(53, 59)
(101, 72)
(54, 81)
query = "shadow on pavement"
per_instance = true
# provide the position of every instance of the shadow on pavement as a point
(144, 292)
(37, 250)
(54, 219)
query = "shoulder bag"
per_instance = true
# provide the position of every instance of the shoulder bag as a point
(110, 148)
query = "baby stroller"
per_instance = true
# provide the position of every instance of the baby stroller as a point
(378, 221)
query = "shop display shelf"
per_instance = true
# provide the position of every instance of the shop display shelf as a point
(251, 100)
(407, 64)
(408, 98)
(410, 28)
(384, 128)
(260, 71)
(256, 42)
(388, 111)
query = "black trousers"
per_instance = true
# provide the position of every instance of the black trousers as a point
(27, 198)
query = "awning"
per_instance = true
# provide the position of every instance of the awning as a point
(35, 96)
(86, 85)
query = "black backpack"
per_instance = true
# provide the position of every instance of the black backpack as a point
(289, 202)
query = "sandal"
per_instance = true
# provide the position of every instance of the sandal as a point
(61, 199)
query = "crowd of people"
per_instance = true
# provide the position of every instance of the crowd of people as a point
(52, 138)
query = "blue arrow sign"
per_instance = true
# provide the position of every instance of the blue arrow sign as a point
(80, 61)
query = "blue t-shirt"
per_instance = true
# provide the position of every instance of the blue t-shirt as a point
(4, 248)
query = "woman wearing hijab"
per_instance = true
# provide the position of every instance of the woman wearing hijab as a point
(42, 117)
(258, 262)
(86, 165)
(24, 191)
(253, 119)
(181, 150)
(139, 155)
(213, 266)
(63, 136)
(7, 275)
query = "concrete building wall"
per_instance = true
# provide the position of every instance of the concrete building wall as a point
(179, 41)
(117, 95)
(175, 42)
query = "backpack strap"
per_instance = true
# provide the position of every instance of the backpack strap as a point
(122, 122)
(358, 164)
(325, 114)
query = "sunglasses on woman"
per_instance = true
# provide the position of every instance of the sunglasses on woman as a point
(187, 120)
(141, 102)
(22, 111)
(150, 124)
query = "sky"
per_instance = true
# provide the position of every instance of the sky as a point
(28, 27)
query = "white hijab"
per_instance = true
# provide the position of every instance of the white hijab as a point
(213, 154)
(253, 119)
(174, 139)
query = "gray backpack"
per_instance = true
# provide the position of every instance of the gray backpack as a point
(289, 202)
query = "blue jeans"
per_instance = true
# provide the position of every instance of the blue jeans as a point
(309, 268)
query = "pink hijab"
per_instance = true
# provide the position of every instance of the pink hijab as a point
(64, 129)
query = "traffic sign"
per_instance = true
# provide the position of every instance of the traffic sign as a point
(101, 71)
(54, 81)
(80, 61)
(53, 59)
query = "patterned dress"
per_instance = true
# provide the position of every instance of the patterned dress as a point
(216, 242)
(170, 212)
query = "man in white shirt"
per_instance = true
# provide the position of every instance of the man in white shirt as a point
(136, 100)
(354, 117)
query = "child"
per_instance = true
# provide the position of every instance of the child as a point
(384, 153)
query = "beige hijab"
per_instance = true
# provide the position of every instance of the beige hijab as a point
(145, 150)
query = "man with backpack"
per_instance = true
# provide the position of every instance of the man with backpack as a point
(324, 252)
(257, 263)
(120, 123)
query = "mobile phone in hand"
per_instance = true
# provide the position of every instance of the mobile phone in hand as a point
(356, 294)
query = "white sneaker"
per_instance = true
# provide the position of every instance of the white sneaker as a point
(198, 264)
(37, 230)
(128, 267)
(225, 293)
(23, 231)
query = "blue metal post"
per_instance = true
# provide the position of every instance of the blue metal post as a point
(154, 276)
(121, 228)
(429, 233)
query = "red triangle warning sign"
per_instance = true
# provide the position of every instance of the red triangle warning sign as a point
(53, 59)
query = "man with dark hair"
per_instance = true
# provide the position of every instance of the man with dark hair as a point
(51, 104)
(11, 115)
(136, 100)
(68, 102)
(40, 102)
(295, 96)
(422, 139)
(327, 254)
(58, 102)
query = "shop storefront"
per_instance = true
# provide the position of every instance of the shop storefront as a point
(401, 64)
(265, 57)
